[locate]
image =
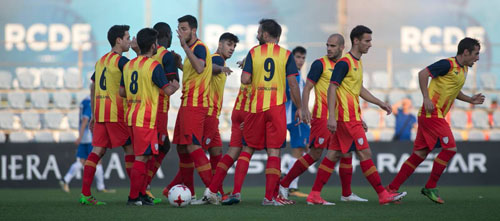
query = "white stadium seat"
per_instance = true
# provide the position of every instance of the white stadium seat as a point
(5, 80)
(3, 138)
(40, 100)
(496, 119)
(372, 118)
(6, 120)
(457, 135)
(476, 135)
(79, 96)
(487, 81)
(50, 78)
(461, 104)
(73, 118)
(390, 121)
(458, 119)
(72, 79)
(20, 137)
(396, 96)
(380, 80)
(495, 135)
(369, 136)
(17, 100)
(26, 78)
(44, 137)
(67, 136)
(386, 135)
(416, 99)
(52, 120)
(30, 120)
(62, 99)
(480, 119)
(402, 79)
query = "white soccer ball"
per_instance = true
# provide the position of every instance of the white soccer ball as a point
(179, 195)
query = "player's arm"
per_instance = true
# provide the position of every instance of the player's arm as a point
(475, 99)
(161, 81)
(437, 69)
(312, 78)
(367, 96)
(291, 77)
(92, 100)
(121, 65)
(218, 66)
(246, 76)
(198, 62)
(332, 100)
(170, 64)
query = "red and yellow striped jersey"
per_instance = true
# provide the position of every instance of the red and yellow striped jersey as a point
(348, 76)
(320, 75)
(217, 84)
(448, 78)
(195, 87)
(142, 78)
(269, 64)
(166, 59)
(109, 106)
(243, 98)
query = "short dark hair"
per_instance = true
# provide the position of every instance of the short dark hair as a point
(163, 30)
(229, 37)
(467, 44)
(145, 38)
(116, 31)
(299, 49)
(191, 20)
(358, 31)
(271, 27)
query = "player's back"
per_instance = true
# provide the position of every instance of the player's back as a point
(162, 56)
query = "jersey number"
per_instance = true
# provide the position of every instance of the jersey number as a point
(102, 81)
(133, 83)
(269, 67)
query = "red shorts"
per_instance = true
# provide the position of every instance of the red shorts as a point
(433, 133)
(320, 135)
(110, 134)
(189, 125)
(237, 118)
(348, 134)
(266, 129)
(211, 135)
(144, 140)
(161, 126)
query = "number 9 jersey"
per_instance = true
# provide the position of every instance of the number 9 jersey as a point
(269, 64)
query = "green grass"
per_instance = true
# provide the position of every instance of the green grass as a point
(462, 203)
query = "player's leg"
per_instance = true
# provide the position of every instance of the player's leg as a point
(298, 140)
(185, 174)
(439, 165)
(299, 167)
(73, 169)
(99, 177)
(407, 169)
(88, 176)
(241, 169)
(221, 171)
(345, 173)
(137, 178)
(325, 170)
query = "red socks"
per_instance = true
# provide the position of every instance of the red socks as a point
(325, 169)
(241, 171)
(88, 173)
(202, 165)
(272, 175)
(371, 174)
(345, 173)
(438, 167)
(214, 160)
(137, 179)
(129, 163)
(298, 168)
(406, 171)
(220, 173)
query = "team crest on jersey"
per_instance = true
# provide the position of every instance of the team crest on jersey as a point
(361, 141)
(207, 141)
(445, 140)
(321, 140)
(156, 146)
(355, 69)
(456, 72)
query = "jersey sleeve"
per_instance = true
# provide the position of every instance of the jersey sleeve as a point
(86, 112)
(248, 67)
(315, 72)
(339, 72)
(93, 77)
(121, 63)
(170, 67)
(439, 68)
(291, 67)
(218, 61)
(200, 52)
(122, 82)
(159, 77)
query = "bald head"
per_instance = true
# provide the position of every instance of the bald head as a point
(335, 46)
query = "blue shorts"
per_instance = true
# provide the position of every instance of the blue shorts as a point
(299, 135)
(84, 150)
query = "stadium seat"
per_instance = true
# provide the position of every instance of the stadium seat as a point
(26, 78)
(461, 104)
(72, 79)
(62, 99)
(5, 80)
(488, 99)
(44, 137)
(371, 118)
(469, 82)
(370, 136)
(233, 81)
(457, 135)
(386, 135)
(30, 120)
(380, 80)
(480, 119)
(487, 81)
(389, 120)
(17, 100)
(416, 99)
(50, 77)
(20, 137)
(378, 94)
(367, 81)
(6, 120)
(40, 99)
(67, 137)
(3, 138)
(79, 96)
(476, 135)
(52, 120)
(3, 100)
(73, 118)
(495, 135)
(458, 119)
(402, 79)
(229, 99)
(396, 96)
(496, 119)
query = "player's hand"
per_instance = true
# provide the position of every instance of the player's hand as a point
(240, 64)
(332, 124)
(477, 99)
(181, 39)
(365, 127)
(428, 105)
(91, 124)
(387, 107)
(78, 140)
(307, 115)
(177, 59)
(174, 84)
(299, 117)
(134, 45)
(227, 70)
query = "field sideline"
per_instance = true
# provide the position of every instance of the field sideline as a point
(462, 203)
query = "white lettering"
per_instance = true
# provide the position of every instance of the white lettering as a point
(386, 160)
(451, 37)
(456, 162)
(14, 35)
(51, 166)
(477, 160)
(81, 37)
(14, 167)
(427, 42)
(32, 163)
(31, 37)
(114, 164)
(410, 39)
(4, 167)
(55, 31)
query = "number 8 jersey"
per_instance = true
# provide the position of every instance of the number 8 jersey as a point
(269, 64)
(109, 106)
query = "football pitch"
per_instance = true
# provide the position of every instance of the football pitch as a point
(462, 203)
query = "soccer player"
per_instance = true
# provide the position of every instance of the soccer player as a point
(143, 78)
(299, 134)
(448, 76)
(108, 121)
(344, 118)
(166, 59)
(267, 68)
(188, 132)
(84, 143)
(319, 79)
